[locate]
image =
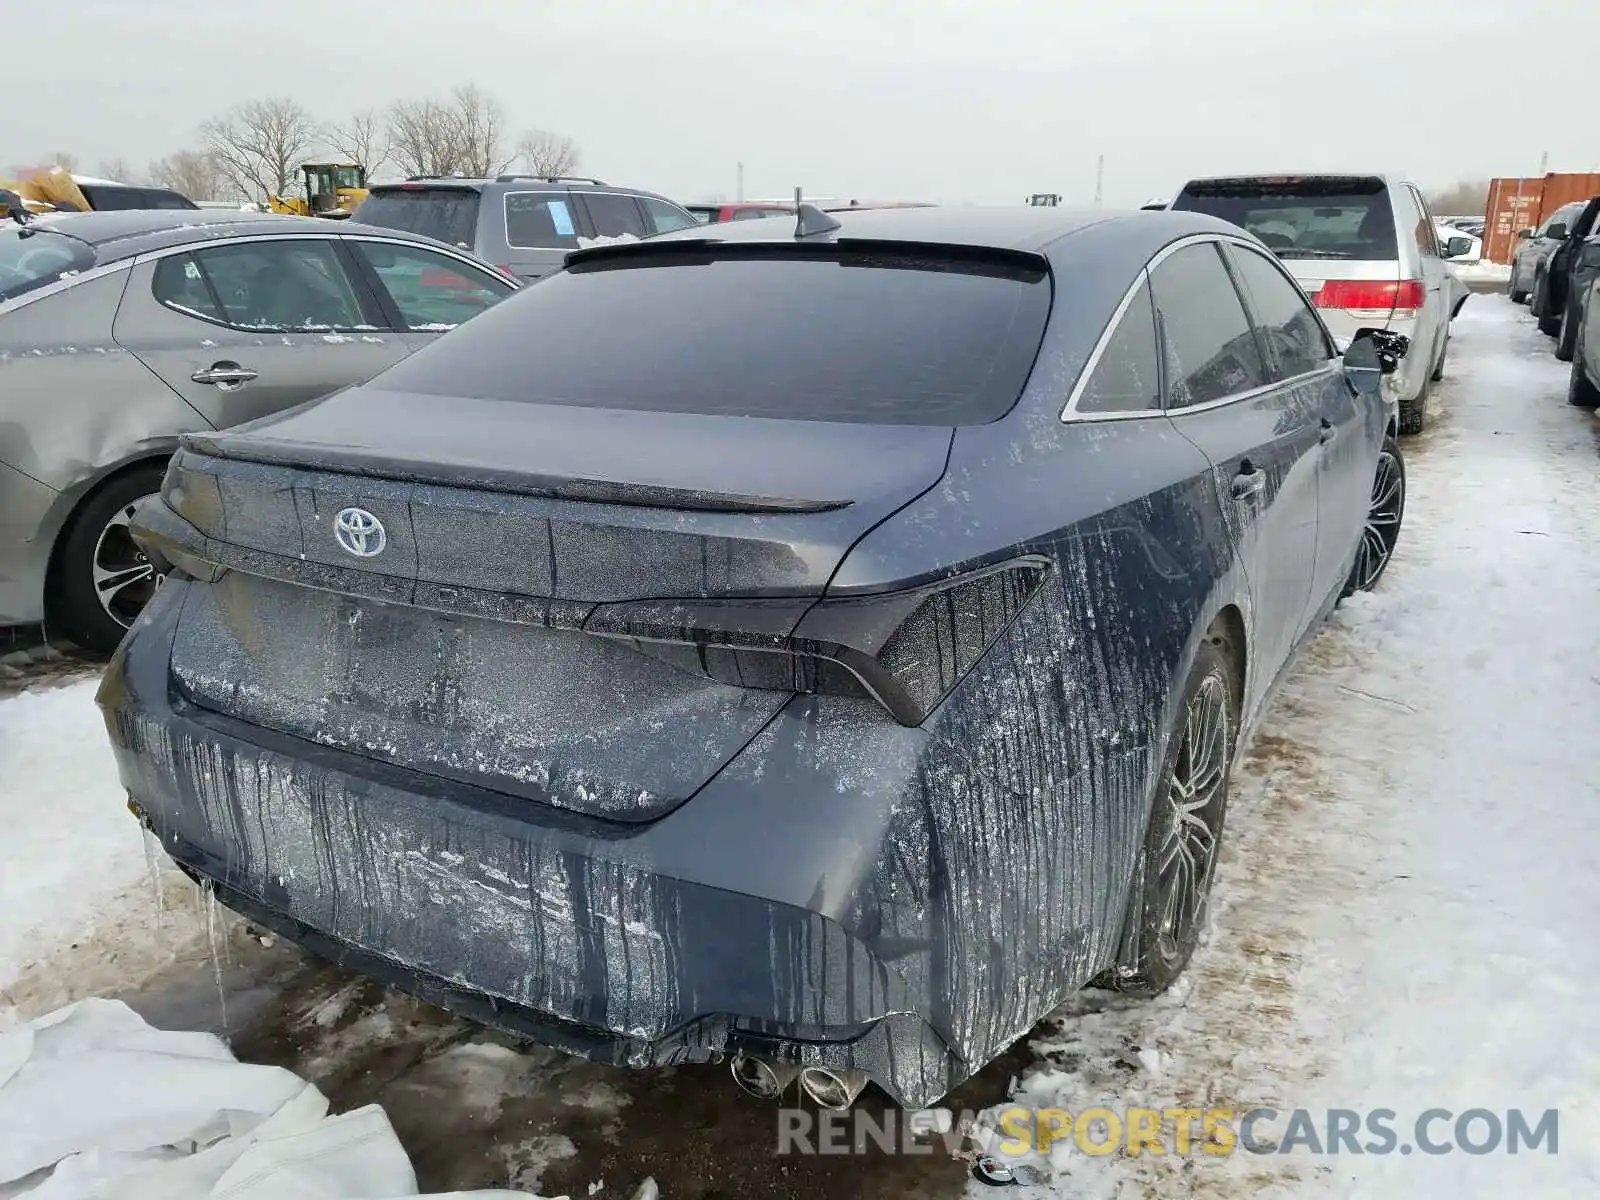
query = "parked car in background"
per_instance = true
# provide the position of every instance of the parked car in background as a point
(1474, 248)
(1472, 225)
(677, 696)
(523, 224)
(121, 331)
(1366, 250)
(1581, 325)
(1540, 249)
(1551, 258)
(712, 214)
(105, 195)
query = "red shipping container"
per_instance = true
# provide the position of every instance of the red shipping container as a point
(1518, 204)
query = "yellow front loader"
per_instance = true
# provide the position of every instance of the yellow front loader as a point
(332, 190)
(46, 189)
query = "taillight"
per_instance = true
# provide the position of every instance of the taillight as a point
(906, 649)
(1403, 296)
(506, 271)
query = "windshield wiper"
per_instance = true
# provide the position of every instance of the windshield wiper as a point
(1303, 252)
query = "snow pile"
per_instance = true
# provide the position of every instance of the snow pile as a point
(95, 1103)
(1483, 272)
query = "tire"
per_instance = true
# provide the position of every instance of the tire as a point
(1386, 510)
(1414, 412)
(1567, 335)
(1166, 936)
(1517, 295)
(1581, 391)
(98, 531)
(1536, 300)
(1549, 323)
(1438, 371)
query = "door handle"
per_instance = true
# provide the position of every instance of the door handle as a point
(225, 375)
(1248, 482)
(1329, 431)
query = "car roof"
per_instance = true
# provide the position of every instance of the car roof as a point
(1010, 228)
(514, 181)
(1296, 176)
(128, 233)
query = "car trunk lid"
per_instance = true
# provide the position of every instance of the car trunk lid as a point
(460, 648)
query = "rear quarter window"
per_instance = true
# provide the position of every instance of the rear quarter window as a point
(816, 334)
(37, 258)
(1303, 217)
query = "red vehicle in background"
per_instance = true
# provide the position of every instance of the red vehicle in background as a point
(711, 214)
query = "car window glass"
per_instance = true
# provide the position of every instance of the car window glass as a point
(179, 284)
(539, 221)
(431, 291)
(1293, 336)
(833, 334)
(446, 214)
(1127, 378)
(1561, 216)
(614, 215)
(757, 214)
(281, 284)
(1306, 217)
(1423, 231)
(32, 258)
(664, 216)
(1211, 351)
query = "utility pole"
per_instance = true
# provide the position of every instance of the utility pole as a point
(740, 196)
(1099, 179)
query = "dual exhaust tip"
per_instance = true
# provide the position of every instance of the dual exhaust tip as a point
(828, 1087)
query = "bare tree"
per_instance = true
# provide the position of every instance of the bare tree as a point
(118, 169)
(362, 139)
(259, 146)
(547, 155)
(422, 138)
(192, 173)
(478, 117)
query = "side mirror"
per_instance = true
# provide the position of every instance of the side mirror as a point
(1376, 350)
(1457, 246)
(1556, 232)
(1590, 255)
(1523, 234)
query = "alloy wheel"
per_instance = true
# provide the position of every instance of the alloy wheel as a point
(1193, 815)
(1382, 529)
(124, 577)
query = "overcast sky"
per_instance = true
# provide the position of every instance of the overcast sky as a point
(951, 100)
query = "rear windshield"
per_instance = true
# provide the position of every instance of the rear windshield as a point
(818, 334)
(34, 258)
(446, 214)
(1303, 218)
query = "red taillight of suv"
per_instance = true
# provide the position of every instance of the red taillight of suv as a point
(1403, 297)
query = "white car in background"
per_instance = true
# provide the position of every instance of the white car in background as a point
(1365, 249)
(1474, 252)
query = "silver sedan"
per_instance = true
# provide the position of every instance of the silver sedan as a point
(121, 331)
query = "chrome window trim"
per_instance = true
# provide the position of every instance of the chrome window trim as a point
(320, 235)
(247, 239)
(1070, 412)
(60, 285)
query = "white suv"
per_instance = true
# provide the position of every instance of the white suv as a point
(1365, 249)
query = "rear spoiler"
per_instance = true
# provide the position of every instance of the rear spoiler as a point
(1025, 265)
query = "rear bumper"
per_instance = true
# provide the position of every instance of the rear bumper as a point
(600, 939)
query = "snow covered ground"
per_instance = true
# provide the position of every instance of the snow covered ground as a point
(1404, 916)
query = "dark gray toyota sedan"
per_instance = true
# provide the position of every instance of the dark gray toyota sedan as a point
(817, 642)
